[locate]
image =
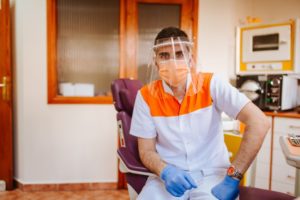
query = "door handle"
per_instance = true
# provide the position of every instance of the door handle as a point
(5, 90)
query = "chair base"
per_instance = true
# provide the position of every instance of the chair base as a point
(132, 193)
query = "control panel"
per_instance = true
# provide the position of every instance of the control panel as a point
(273, 92)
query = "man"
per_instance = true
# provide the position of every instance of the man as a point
(177, 119)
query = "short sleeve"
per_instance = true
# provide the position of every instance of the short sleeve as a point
(226, 97)
(142, 124)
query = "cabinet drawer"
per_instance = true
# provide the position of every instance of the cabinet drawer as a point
(263, 155)
(278, 158)
(287, 125)
(276, 144)
(267, 141)
(284, 174)
(283, 187)
(262, 171)
(262, 183)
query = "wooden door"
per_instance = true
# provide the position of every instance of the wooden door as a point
(6, 155)
(141, 20)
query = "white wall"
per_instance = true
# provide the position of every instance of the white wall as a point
(54, 143)
(77, 143)
(276, 10)
(216, 43)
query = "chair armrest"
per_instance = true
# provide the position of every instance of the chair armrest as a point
(250, 193)
(132, 164)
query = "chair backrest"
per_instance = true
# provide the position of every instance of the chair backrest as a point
(124, 92)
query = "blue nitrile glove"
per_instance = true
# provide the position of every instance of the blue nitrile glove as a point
(228, 189)
(177, 181)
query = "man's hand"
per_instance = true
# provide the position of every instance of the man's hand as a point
(177, 181)
(228, 189)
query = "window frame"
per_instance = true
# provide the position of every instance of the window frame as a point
(53, 97)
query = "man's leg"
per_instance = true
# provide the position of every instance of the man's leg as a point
(205, 184)
(154, 189)
(203, 191)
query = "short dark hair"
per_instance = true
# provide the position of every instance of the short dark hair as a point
(170, 32)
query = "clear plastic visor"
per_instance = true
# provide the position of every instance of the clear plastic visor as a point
(172, 66)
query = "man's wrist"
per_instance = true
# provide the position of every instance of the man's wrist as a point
(161, 169)
(234, 172)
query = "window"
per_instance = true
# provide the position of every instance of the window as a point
(84, 56)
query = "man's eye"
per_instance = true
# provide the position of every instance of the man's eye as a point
(164, 56)
(179, 54)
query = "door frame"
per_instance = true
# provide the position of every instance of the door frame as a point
(6, 134)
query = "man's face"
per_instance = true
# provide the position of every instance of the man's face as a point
(172, 64)
(169, 53)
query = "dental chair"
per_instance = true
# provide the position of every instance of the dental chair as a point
(124, 92)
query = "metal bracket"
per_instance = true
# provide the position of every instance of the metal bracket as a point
(121, 134)
(5, 87)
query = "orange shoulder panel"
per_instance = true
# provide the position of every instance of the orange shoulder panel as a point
(162, 104)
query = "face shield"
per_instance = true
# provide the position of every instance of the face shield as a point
(172, 62)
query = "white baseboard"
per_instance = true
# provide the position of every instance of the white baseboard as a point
(2, 185)
(66, 186)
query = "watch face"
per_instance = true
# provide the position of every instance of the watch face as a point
(230, 171)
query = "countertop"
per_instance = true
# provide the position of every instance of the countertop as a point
(288, 114)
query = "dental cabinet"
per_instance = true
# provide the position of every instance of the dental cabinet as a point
(271, 171)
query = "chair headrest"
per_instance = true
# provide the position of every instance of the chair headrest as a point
(124, 92)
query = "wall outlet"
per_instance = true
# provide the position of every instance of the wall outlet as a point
(2, 186)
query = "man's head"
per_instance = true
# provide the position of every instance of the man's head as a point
(172, 50)
(170, 32)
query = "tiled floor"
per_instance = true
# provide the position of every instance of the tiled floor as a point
(66, 195)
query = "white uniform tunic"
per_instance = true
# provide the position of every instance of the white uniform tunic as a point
(189, 134)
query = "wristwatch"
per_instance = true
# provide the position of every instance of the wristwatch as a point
(233, 172)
